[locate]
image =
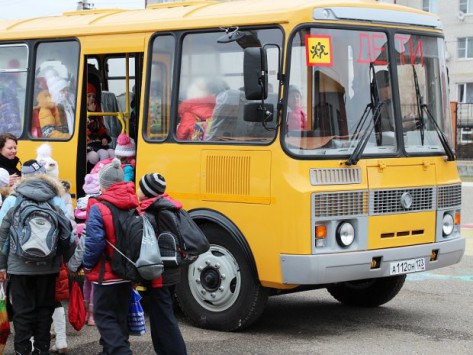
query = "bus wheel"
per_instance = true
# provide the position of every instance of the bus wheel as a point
(219, 290)
(368, 293)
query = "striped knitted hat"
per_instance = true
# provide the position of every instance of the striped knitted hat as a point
(152, 185)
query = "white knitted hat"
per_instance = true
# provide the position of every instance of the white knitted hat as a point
(4, 178)
(125, 146)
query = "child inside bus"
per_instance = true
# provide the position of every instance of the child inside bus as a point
(98, 146)
(51, 123)
(198, 108)
(296, 116)
(126, 152)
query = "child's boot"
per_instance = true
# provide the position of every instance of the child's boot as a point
(59, 320)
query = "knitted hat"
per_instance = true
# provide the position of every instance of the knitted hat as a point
(32, 167)
(4, 177)
(125, 146)
(152, 185)
(44, 158)
(55, 82)
(91, 89)
(111, 174)
(91, 184)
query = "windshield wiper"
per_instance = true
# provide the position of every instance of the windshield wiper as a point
(421, 107)
(420, 113)
(360, 147)
(442, 137)
(375, 107)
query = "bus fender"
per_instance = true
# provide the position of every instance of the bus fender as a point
(201, 216)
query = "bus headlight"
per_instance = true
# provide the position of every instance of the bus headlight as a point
(345, 234)
(447, 224)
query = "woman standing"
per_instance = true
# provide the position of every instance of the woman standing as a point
(8, 159)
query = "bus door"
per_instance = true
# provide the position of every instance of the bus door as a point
(111, 91)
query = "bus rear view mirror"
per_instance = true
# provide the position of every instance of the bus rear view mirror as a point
(255, 73)
(256, 112)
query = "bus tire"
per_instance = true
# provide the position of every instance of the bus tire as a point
(220, 291)
(367, 293)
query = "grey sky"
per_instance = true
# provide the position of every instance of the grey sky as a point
(20, 9)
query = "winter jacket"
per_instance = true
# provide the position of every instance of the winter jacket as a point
(170, 276)
(100, 228)
(75, 262)
(40, 188)
(62, 285)
(10, 165)
(190, 111)
(296, 120)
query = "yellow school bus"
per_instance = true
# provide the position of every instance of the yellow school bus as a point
(311, 140)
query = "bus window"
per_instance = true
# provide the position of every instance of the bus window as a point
(211, 99)
(162, 60)
(54, 108)
(423, 92)
(336, 71)
(13, 64)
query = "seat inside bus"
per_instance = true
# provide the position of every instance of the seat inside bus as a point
(228, 118)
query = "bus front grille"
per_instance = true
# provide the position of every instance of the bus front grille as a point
(390, 201)
(449, 196)
(352, 203)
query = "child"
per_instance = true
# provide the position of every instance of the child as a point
(98, 146)
(165, 332)
(52, 169)
(125, 151)
(92, 189)
(4, 184)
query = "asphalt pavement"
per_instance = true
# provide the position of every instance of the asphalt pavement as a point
(282, 330)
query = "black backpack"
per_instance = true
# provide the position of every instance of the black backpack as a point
(173, 221)
(135, 257)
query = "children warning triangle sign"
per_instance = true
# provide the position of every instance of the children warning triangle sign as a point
(319, 50)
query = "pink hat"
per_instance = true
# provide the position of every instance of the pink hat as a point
(125, 146)
(91, 184)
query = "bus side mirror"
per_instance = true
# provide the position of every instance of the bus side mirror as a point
(255, 73)
(256, 112)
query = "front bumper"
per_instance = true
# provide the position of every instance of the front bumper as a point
(349, 266)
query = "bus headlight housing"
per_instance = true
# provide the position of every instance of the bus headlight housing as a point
(345, 234)
(448, 224)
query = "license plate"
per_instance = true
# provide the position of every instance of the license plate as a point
(407, 266)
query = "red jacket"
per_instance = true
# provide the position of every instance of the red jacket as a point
(189, 110)
(100, 228)
(62, 285)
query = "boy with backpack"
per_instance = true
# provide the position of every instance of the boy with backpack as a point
(35, 238)
(165, 332)
(112, 294)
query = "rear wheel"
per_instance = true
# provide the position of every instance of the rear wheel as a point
(367, 293)
(220, 290)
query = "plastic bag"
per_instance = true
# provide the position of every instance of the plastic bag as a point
(76, 311)
(136, 315)
(4, 324)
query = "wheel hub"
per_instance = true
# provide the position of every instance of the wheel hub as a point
(210, 279)
(214, 279)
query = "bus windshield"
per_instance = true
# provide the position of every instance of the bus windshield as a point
(342, 95)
